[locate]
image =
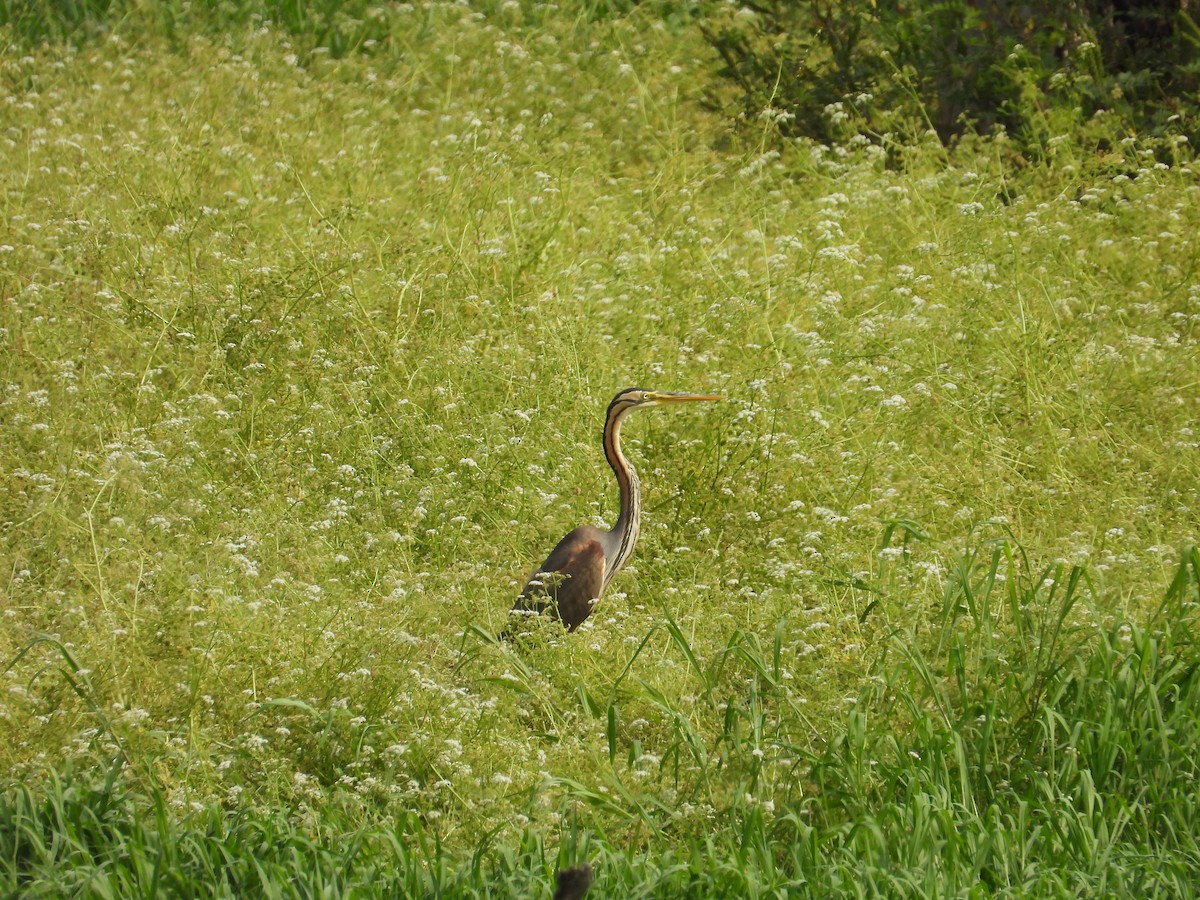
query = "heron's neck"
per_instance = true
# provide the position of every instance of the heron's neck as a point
(624, 533)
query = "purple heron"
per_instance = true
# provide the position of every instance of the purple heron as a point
(569, 583)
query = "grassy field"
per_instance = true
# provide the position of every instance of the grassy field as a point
(304, 362)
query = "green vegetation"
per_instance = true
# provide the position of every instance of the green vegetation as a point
(1095, 71)
(305, 357)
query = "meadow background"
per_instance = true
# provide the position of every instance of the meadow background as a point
(309, 320)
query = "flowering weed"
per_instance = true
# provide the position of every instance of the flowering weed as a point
(304, 362)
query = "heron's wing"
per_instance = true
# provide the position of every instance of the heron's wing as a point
(569, 581)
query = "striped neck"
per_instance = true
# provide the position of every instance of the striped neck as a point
(624, 533)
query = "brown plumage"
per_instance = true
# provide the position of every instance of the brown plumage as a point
(569, 583)
(570, 580)
(574, 882)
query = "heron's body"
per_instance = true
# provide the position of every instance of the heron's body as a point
(571, 580)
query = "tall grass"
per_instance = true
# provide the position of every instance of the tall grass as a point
(303, 363)
(336, 27)
(961, 769)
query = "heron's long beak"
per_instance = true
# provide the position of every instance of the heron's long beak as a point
(680, 398)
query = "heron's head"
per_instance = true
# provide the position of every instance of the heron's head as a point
(637, 398)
